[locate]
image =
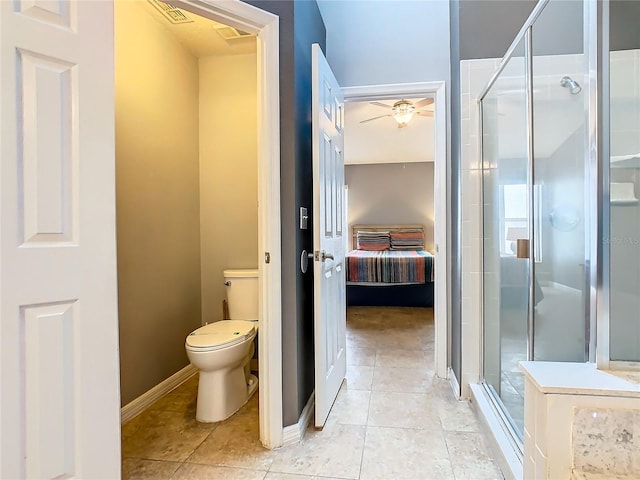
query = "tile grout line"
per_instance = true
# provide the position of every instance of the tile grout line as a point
(366, 423)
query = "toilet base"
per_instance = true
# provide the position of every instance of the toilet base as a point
(213, 407)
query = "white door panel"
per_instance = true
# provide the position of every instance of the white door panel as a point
(328, 218)
(60, 406)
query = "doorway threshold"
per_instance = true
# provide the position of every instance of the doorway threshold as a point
(507, 450)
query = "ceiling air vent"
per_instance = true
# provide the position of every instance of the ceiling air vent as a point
(171, 13)
(230, 33)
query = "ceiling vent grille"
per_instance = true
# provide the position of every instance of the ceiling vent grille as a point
(171, 13)
(230, 33)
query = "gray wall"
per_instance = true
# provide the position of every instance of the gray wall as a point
(487, 27)
(557, 31)
(157, 199)
(300, 26)
(624, 16)
(392, 193)
(386, 41)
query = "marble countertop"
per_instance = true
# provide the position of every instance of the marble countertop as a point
(578, 379)
(630, 375)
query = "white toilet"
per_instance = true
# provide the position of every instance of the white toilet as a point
(221, 351)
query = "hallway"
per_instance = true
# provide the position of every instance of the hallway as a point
(392, 420)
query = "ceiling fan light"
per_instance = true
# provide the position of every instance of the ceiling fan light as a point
(403, 117)
(403, 112)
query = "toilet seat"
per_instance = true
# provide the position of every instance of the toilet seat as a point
(218, 335)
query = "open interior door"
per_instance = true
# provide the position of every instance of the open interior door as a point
(59, 376)
(328, 243)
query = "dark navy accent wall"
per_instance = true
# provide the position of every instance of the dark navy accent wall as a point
(300, 27)
(455, 301)
(308, 29)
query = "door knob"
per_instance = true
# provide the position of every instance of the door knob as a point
(304, 260)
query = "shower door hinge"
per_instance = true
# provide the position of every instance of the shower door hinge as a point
(267, 257)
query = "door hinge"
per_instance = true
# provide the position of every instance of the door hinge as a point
(267, 257)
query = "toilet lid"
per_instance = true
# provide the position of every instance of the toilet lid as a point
(224, 333)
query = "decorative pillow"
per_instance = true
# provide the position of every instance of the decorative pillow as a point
(373, 240)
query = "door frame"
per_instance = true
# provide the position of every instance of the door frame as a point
(442, 217)
(265, 25)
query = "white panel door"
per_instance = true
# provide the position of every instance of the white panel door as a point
(60, 407)
(329, 229)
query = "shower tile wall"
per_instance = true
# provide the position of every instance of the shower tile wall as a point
(625, 218)
(474, 75)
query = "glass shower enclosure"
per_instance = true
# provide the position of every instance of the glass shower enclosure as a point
(536, 250)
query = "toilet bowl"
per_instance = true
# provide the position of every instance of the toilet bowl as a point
(221, 352)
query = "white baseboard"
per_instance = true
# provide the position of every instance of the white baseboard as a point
(453, 381)
(136, 406)
(295, 433)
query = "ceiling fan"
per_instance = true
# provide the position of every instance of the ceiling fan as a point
(403, 111)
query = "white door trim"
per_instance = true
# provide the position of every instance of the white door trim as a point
(266, 25)
(441, 188)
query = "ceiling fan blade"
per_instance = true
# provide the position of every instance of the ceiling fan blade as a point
(380, 104)
(424, 113)
(423, 103)
(375, 118)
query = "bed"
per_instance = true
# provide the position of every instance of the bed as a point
(388, 266)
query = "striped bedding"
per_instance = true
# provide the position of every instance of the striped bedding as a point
(389, 266)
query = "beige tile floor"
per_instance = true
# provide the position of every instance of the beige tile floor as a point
(393, 419)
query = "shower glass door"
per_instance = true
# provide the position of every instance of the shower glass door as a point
(535, 249)
(505, 157)
(559, 175)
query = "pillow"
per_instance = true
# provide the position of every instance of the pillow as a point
(407, 240)
(374, 241)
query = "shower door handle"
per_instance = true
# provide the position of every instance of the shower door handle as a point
(522, 248)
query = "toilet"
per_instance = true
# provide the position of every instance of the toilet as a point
(222, 350)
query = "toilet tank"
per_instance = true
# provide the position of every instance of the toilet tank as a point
(242, 293)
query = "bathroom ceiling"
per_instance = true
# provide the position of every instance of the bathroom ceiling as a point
(381, 141)
(201, 36)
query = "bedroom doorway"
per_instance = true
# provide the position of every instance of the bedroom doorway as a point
(428, 97)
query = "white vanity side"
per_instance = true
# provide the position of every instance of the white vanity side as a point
(562, 404)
